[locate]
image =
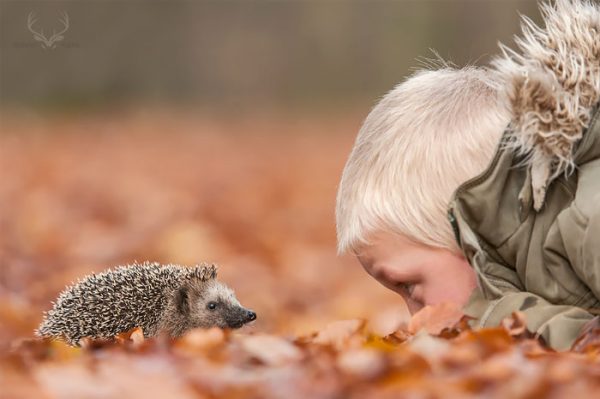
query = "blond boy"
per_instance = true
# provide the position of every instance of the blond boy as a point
(481, 186)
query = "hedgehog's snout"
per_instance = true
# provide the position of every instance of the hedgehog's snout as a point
(250, 316)
(239, 316)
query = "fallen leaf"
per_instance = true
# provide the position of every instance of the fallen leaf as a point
(202, 339)
(133, 337)
(270, 350)
(340, 333)
(389, 321)
(428, 346)
(589, 337)
(515, 324)
(435, 318)
(362, 362)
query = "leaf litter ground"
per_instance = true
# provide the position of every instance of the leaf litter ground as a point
(256, 196)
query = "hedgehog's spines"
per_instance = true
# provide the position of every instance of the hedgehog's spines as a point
(205, 271)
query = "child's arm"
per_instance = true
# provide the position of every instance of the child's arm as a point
(576, 231)
(558, 325)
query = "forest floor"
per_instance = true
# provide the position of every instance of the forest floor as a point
(256, 196)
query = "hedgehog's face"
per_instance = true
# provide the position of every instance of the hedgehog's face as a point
(212, 304)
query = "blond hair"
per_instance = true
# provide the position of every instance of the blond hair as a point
(423, 139)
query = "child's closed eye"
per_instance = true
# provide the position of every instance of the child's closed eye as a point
(406, 288)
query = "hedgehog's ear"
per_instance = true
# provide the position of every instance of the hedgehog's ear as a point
(182, 300)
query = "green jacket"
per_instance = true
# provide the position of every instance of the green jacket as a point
(530, 223)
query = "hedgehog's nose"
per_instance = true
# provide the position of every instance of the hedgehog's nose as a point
(251, 315)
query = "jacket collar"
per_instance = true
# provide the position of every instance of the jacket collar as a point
(553, 85)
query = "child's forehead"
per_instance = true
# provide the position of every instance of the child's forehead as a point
(385, 238)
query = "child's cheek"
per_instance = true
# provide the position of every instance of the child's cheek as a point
(451, 289)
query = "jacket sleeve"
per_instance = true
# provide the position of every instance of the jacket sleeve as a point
(578, 227)
(558, 325)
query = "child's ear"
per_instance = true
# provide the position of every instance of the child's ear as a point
(182, 300)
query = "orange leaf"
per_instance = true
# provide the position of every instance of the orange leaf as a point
(435, 318)
(515, 324)
(339, 333)
(135, 336)
(271, 350)
(364, 363)
(202, 338)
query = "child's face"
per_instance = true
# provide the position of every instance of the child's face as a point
(421, 274)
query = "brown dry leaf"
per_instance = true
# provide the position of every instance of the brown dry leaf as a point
(202, 339)
(134, 337)
(498, 368)
(117, 375)
(428, 346)
(87, 343)
(487, 341)
(362, 362)
(389, 321)
(435, 318)
(30, 351)
(271, 350)
(137, 336)
(341, 334)
(398, 337)
(589, 338)
(516, 324)
(461, 356)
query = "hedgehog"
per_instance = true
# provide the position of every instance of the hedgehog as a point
(158, 298)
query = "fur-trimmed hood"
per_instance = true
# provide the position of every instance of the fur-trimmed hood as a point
(553, 85)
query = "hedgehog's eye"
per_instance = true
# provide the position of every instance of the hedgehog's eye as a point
(212, 305)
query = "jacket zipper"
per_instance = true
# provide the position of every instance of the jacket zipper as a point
(453, 223)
